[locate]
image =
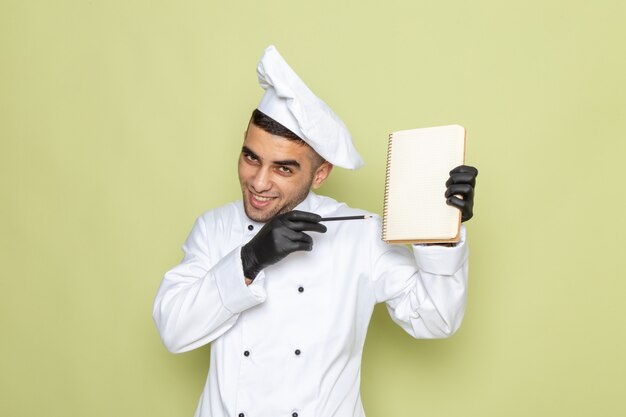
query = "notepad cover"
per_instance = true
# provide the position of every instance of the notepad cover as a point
(419, 162)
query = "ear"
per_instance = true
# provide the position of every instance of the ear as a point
(321, 173)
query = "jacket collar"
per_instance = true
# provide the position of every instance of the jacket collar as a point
(310, 203)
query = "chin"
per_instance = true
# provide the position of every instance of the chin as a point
(261, 216)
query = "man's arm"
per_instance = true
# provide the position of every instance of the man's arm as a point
(430, 301)
(425, 291)
(201, 298)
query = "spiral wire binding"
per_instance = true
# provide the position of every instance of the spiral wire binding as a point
(387, 174)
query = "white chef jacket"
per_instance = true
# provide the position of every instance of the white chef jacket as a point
(290, 344)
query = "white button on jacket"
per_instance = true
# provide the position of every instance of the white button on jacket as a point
(293, 339)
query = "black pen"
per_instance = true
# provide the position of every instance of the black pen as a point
(334, 219)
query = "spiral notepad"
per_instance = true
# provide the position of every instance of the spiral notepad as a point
(419, 162)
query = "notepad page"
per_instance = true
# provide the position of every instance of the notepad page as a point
(420, 162)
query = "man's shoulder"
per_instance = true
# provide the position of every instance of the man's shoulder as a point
(225, 215)
(363, 232)
(327, 207)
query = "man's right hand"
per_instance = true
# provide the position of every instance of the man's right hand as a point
(279, 237)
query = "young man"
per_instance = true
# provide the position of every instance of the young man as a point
(285, 300)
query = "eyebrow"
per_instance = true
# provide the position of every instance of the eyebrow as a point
(245, 149)
(286, 162)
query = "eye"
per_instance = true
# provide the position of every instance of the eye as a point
(250, 157)
(284, 170)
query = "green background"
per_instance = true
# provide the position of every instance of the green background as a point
(120, 123)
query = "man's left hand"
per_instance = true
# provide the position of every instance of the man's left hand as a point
(460, 190)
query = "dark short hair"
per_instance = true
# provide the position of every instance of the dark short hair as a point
(270, 125)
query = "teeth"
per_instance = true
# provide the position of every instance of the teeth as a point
(258, 197)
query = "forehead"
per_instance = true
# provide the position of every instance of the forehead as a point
(273, 147)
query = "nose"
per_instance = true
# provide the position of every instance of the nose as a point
(262, 180)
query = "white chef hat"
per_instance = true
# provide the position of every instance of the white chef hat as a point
(291, 103)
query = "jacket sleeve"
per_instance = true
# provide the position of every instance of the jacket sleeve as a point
(426, 291)
(201, 298)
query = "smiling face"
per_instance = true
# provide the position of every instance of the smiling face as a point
(276, 173)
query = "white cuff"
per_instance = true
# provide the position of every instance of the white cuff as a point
(442, 260)
(235, 294)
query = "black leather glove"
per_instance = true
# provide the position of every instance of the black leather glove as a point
(462, 182)
(278, 238)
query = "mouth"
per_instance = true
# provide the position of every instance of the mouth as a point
(259, 201)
